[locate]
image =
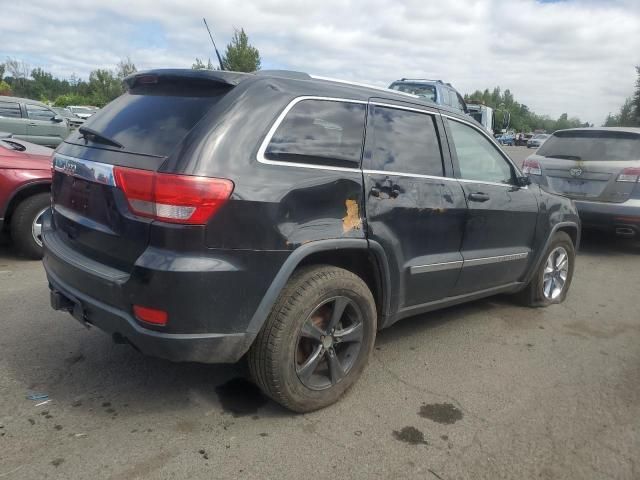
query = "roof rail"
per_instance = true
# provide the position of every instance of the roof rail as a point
(358, 84)
(420, 80)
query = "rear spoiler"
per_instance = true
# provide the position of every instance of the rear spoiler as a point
(215, 77)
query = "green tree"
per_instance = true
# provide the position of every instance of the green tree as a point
(240, 56)
(5, 88)
(125, 68)
(199, 65)
(104, 86)
(636, 99)
(2, 69)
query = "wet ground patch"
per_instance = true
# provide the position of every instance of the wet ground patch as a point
(410, 435)
(446, 413)
(240, 397)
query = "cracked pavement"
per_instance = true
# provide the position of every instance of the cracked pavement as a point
(485, 390)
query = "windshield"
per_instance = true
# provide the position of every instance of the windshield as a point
(153, 119)
(477, 116)
(592, 145)
(420, 89)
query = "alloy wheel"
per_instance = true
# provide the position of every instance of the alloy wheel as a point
(555, 274)
(329, 343)
(36, 227)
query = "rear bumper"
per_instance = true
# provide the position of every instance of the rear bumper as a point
(210, 297)
(204, 348)
(610, 216)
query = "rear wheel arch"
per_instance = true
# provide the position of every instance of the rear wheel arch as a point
(363, 258)
(22, 194)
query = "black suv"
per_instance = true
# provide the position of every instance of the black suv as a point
(204, 216)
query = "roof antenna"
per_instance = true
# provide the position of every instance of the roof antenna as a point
(214, 44)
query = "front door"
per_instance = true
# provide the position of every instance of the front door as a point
(42, 128)
(413, 210)
(501, 219)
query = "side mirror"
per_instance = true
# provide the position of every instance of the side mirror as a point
(524, 181)
(58, 119)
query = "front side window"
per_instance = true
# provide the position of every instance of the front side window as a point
(10, 110)
(404, 141)
(36, 112)
(478, 158)
(320, 132)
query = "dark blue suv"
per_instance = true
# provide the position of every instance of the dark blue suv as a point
(435, 91)
(204, 216)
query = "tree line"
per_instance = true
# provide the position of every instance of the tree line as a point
(522, 119)
(629, 114)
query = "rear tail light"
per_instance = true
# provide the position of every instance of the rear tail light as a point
(629, 175)
(531, 167)
(150, 315)
(172, 198)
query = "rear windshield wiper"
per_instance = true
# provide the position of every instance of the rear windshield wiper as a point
(564, 157)
(94, 136)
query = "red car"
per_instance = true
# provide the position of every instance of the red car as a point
(25, 182)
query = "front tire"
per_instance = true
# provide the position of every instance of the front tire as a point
(317, 339)
(26, 225)
(552, 280)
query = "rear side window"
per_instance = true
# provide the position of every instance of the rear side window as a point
(403, 141)
(321, 132)
(10, 110)
(153, 119)
(592, 145)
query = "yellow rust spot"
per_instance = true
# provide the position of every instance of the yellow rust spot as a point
(352, 220)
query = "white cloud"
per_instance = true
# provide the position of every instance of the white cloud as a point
(569, 56)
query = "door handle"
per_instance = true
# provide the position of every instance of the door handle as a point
(478, 197)
(375, 192)
(33, 124)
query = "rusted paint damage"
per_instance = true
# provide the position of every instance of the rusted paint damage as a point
(351, 220)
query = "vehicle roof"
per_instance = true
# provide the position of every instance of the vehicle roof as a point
(301, 82)
(23, 100)
(602, 129)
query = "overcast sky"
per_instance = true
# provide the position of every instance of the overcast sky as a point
(556, 56)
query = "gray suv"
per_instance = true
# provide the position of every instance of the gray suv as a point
(32, 121)
(599, 168)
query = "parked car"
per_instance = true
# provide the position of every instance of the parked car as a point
(73, 120)
(25, 179)
(507, 139)
(32, 121)
(599, 169)
(82, 111)
(524, 138)
(435, 91)
(537, 140)
(266, 222)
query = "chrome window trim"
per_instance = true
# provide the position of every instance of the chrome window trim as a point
(94, 171)
(403, 107)
(435, 267)
(414, 175)
(267, 139)
(492, 140)
(474, 262)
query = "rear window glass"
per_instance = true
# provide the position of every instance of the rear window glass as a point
(404, 141)
(320, 132)
(153, 119)
(592, 146)
(10, 110)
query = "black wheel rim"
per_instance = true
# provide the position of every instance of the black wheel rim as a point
(329, 343)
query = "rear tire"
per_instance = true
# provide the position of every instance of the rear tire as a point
(25, 229)
(307, 354)
(542, 290)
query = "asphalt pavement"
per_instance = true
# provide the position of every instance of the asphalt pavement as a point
(487, 390)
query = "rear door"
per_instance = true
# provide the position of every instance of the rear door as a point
(91, 215)
(11, 120)
(41, 127)
(500, 224)
(593, 165)
(414, 210)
